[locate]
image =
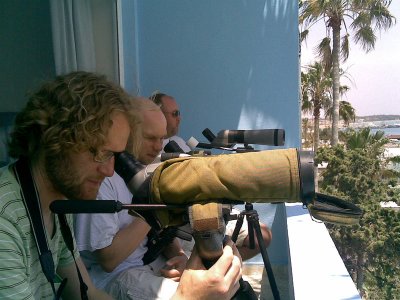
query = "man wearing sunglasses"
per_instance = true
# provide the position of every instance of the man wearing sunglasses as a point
(172, 114)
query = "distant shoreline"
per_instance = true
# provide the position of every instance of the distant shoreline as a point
(377, 122)
(373, 118)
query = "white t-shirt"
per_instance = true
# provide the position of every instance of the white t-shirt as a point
(179, 141)
(96, 231)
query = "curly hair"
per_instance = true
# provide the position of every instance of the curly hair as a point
(71, 113)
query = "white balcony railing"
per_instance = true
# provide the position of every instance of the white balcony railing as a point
(305, 261)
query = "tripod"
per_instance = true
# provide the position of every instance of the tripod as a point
(254, 225)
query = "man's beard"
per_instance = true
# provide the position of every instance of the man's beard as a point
(64, 177)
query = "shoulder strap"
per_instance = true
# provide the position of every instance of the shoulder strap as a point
(69, 241)
(32, 204)
(34, 212)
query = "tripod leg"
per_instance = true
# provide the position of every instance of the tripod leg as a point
(238, 225)
(263, 250)
(251, 233)
(245, 291)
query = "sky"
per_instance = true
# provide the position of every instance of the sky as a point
(375, 86)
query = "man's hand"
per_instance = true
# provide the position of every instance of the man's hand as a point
(174, 267)
(219, 282)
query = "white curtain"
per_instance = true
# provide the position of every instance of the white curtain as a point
(72, 31)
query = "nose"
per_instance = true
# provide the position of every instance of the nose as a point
(107, 168)
(158, 145)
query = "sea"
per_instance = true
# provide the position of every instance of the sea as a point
(387, 130)
(390, 127)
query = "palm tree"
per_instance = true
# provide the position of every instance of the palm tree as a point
(365, 17)
(306, 132)
(346, 112)
(365, 139)
(315, 93)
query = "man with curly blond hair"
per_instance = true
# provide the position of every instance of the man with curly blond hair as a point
(64, 140)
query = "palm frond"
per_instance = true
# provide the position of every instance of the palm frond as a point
(304, 35)
(365, 36)
(345, 47)
(382, 17)
(324, 52)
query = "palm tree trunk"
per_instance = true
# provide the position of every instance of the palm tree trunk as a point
(336, 83)
(316, 143)
(360, 273)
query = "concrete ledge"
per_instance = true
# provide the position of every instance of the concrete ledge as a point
(317, 270)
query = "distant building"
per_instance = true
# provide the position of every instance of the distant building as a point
(393, 137)
(390, 205)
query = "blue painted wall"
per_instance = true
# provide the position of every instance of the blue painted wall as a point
(230, 64)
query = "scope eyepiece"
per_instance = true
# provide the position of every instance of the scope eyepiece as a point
(130, 170)
(173, 147)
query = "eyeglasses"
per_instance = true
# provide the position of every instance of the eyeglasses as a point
(102, 156)
(175, 113)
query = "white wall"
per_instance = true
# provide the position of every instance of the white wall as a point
(105, 36)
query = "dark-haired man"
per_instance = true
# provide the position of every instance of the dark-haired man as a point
(172, 114)
(171, 111)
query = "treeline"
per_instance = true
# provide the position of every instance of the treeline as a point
(357, 172)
